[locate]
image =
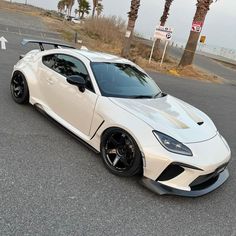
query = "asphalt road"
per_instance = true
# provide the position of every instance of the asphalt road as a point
(209, 65)
(50, 184)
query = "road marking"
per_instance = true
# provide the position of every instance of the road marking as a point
(3, 43)
(51, 38)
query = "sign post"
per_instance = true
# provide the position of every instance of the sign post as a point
(153, 45)
(164, 52)
(162, 33)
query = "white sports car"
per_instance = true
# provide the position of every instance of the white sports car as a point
(112, 105)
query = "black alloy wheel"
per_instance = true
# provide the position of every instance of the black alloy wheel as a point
(120, 153)
(19, 89)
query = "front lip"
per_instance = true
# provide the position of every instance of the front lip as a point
(162, 189)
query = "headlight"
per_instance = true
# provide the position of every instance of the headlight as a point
(172, 145)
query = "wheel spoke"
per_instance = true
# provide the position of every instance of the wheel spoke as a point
(116, 160)
(111, 151)
(17, 93)
(114, 141)
(15, 81)
(18, 88)
(124, 161)
(122, 139)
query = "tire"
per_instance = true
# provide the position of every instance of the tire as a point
(120, 153)
(19, 88)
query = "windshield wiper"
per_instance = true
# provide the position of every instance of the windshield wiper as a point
(141, 96)
(157, 95)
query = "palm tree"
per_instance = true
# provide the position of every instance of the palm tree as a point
(132, 15)
(203, 6)
(71, 4)
(165, 14)
(84, 8)
(61, 6)
(67, 5)
(95, 3)
(163, 19)
(99, 9)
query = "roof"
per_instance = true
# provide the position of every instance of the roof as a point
(101, 57)
(90, 55)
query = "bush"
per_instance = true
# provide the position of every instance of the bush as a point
(109, 30)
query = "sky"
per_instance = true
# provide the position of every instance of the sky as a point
(219, 27)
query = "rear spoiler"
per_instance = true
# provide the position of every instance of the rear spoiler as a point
(42, 43)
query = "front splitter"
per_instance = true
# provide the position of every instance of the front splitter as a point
(162, 189)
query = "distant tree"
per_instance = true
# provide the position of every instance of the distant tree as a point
(71, 4)
(61, 6)
(76, 12)
(203, 6)
(132, 15)
(166, 11)
(99, 9)
(68, 5)
(84, 8)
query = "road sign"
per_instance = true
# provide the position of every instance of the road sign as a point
(203, 39)
(163, 33)
(197, 26)
(3, 43)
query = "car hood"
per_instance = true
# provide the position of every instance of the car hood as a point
(171, 116)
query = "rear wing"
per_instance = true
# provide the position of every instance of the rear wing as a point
(42, 43)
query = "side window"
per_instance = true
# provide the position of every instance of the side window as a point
(49, 60)
(67, 66)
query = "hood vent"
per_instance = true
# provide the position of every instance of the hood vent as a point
(163, 94)
(200, 123)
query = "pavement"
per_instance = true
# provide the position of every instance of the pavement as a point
(50, 184)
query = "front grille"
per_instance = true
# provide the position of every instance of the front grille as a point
(204, 181)
(170, 172)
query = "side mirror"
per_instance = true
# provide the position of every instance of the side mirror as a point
(78, 81)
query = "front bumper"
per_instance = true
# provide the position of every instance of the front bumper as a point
(170, 172)
(162, 189)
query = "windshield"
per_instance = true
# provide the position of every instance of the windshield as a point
(124, 81)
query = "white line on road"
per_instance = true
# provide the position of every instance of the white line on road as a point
(3, 43)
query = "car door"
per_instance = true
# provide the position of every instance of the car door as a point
(65, 100)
